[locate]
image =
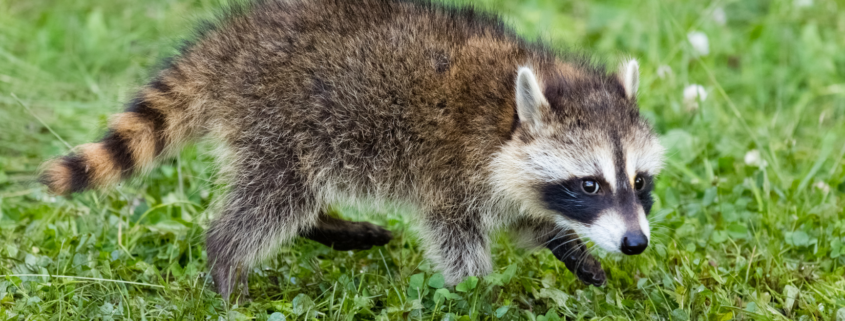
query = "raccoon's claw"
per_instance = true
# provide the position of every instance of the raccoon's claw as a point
(346, 235)
(589, 271)
(585, 266)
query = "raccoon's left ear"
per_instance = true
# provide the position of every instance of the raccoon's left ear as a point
(629, 75)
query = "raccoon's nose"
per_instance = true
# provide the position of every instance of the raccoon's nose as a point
(634, 243)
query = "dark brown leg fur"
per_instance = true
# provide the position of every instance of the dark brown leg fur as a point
(345, 235)
(570, 250)
(566, 247)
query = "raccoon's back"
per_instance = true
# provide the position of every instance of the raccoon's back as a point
(390, 90)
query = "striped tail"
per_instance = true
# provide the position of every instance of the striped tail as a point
(154, 122)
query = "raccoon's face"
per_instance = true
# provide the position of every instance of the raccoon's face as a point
(583, 156)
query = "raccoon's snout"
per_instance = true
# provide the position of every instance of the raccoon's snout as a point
(615, 233)
(634, 243)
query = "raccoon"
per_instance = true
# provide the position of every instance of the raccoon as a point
(445, 109)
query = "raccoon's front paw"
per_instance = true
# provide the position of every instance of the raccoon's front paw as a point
(589, 271)
(574, 254)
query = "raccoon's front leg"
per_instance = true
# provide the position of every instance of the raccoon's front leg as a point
(569, 249)
(457, 244)
(565, 245)
(343, 235)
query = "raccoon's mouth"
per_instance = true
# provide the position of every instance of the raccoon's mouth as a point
(611, 234)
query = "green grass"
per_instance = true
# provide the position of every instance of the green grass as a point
(732, 240)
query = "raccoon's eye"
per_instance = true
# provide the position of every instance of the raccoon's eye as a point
(590, 186)
(639, 183)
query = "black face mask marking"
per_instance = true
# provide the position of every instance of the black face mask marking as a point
(570, 200)
(644, 195)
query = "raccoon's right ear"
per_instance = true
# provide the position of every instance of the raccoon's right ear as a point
(529, 97)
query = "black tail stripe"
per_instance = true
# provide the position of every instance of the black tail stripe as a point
(143, 109)
(79, 177)
(118, 148)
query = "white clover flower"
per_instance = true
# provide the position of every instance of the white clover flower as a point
(753, 158)
(699, 42)
(719, 16)
(695, 92)
(664, 71)
(822, 186)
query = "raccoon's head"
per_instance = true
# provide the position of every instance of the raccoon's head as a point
(582, 155)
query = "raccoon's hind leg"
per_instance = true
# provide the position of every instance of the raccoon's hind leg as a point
(457, 243)
(343, 235)
(259, 215)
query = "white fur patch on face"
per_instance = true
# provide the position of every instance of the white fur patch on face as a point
(644, 223)
(558, 164)
(643, 156)
(607, 168)
(607, 231)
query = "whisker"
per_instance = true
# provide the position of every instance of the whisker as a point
(570, 251)
(583, 257)
(558, 231)
(564, 243)
(557, 237)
